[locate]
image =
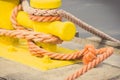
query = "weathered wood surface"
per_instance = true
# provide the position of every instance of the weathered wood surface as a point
(108, 70)
(14, 71)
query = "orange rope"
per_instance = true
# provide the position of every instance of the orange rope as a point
(90, 56)
(35, 36)
(13, 18)
(37, 51)
(92, 64)
(45, 18)
(30, 35)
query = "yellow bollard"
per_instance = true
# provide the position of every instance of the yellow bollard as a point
(23, 19)
(45, 4)
(6, 7)
(47, 46)
(64, 30)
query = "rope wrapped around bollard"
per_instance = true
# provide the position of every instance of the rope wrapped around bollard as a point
(89, 55)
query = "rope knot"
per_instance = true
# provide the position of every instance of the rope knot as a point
(89, 54)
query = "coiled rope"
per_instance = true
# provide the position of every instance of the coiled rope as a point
(90, 56)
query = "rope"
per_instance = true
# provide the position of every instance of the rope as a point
(45, 18)
(41, 15)
(90, 56)
(85, 26)
(35, 36)
(40, 12)
(87, 55)
(91, 65)
(30, 35)
(37, 51)
(13, 18)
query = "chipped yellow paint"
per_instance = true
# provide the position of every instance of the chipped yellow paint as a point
(20, 53)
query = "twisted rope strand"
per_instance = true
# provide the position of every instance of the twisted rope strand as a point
(86, 26)
(92, 61)
(88, 56)
(13, 17)
(91, 65)
(30, 35)
(89, 53)
(45, 18)
(37, 51)
(40, 12)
